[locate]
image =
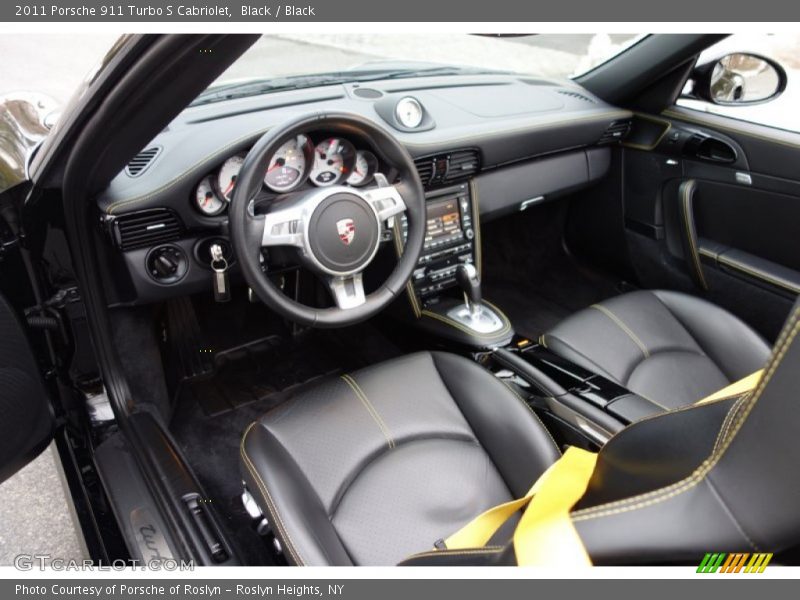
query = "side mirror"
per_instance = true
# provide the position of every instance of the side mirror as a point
(738, 79)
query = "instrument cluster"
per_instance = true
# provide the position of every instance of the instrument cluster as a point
(324, 162)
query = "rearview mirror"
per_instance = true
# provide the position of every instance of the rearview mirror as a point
(739, 78)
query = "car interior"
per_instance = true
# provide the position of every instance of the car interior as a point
(350, 317)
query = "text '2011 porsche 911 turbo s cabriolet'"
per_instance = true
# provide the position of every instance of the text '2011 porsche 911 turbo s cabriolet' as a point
(279, 302)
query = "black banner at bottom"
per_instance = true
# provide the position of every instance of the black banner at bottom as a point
(383, 589)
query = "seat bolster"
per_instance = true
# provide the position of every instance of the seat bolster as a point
(509, 431)
(735, 348)
(296, 514)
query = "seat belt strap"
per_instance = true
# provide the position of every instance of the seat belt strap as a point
(545, 534)
(745, 384)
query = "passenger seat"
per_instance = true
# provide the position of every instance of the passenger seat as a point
(670, 348)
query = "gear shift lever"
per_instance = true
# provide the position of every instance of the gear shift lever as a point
(467, 278)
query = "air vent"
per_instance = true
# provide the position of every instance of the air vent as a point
(425, 169)
(146, 228)
(615, 132)
(141, 161)
(447, 168)
(577, 95)
(463, 163)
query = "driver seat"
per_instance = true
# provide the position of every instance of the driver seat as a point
(373, 467)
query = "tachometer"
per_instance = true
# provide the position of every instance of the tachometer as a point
(206, 199)
(228, 172)
(288, 166)
(333, 161)
(364, 168)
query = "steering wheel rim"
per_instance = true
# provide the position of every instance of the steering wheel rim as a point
(249, 232)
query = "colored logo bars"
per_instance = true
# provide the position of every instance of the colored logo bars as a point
(738, 562)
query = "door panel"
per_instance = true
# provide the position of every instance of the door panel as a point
(26, 417)
(702, 218)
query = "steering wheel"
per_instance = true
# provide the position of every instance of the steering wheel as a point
(337, 230)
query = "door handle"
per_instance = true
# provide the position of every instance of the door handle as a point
(686, 197)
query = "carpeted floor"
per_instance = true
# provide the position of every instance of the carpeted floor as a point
(529, 275)
(213, 412)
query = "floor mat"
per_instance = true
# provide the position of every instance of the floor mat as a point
(260, 372)
(211, 414)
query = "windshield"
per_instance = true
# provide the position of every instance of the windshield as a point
(290, 61)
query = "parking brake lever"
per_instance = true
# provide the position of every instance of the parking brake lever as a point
(467, 278)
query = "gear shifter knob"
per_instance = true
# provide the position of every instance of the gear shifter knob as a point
(467, 278)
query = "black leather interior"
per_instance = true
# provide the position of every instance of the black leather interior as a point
(708, 477)
(372, 467)
(677, 478)
(670, 348)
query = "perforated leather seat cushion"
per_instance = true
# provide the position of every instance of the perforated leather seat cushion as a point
(373, 467)
(668, 347)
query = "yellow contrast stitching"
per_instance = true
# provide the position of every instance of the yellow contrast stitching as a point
(218, 153)
(370, 409)
(613, 114)
(533, 412)
(686, 194)
(476, 220)
(725, 439)
(398, 245)
(712, 124)
(448, 321)
(652, 119)
(268, 498)
(624, 328)
(758, 274)
(729, 419)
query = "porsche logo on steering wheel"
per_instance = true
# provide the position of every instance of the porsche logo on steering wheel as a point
(347, 230)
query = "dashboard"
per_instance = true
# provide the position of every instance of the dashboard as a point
(493, 143)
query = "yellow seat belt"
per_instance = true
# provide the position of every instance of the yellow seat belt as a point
(545, 535)
(745, 384)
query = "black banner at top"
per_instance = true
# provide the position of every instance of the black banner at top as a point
(473, 11)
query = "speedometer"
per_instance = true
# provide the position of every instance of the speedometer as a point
(288, 166)
(333, 161)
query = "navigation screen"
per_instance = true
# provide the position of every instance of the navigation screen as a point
(444, 221)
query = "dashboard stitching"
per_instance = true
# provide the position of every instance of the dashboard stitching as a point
(222, 151)
(534, 127)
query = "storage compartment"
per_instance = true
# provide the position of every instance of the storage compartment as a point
(513, 188)
(589, 402)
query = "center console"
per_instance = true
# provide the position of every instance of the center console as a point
(587, 402)
(449, 241)
(444, 290)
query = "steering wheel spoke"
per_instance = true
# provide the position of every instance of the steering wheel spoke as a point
(347, 291)
(386, 200)
(284, 227)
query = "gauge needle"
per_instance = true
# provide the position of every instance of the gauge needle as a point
(230, 187)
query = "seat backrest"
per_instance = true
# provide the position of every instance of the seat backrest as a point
(715, 477)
